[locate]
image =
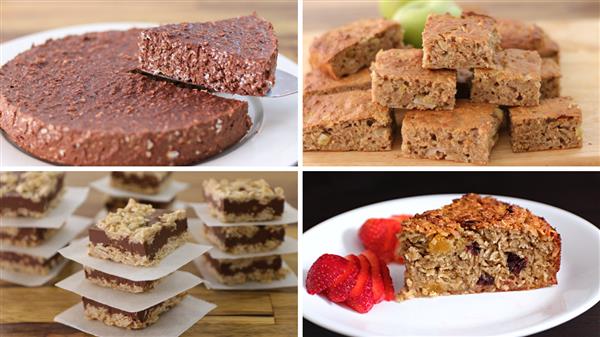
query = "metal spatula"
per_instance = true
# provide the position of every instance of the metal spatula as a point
(285, 83)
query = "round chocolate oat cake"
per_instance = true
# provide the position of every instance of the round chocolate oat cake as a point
(77, 101)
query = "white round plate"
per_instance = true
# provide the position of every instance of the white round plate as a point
(515, 313)
(272, 141)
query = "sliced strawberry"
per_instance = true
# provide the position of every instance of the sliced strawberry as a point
(361, 296)
(340, 289)
(388, 285)
(324, 272)
(372, 233)
(376, 264)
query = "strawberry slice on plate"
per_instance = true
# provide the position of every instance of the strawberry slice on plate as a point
(376, 275)
(341, 287)
(324, 272)
(388, 285)
(361, 296)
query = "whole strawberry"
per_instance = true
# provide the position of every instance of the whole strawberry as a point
(379, 235)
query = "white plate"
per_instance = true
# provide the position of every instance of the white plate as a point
(272, 141)
(493, 314)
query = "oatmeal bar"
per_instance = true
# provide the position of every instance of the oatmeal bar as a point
(516, 34)
(113, 203)
(29, 194)
(116, 282)
(25, 236)
(245, 239)
(347, 121)
(263, 269)
(515, 81)
(554, 124)
(349, 48)
(242, 200)
(237, 55)
(318, 83)
(130, 320)
(399, 81)
(477, 244)
(550, 86)
(140, 182)
(469, 41)
(466, 134)
(29, 264)
(138, 234)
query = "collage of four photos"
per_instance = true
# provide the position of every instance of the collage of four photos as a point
(299, 168)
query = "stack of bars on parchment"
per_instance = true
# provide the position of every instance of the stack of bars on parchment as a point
(449, 97)
(36, 221)
(143, 184)
(130, 274)
(237, 220)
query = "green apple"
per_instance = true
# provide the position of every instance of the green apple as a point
(388, 8)
(412, 17)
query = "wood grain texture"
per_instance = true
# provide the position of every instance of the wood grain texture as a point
(30, 311)
(25, 17)
(579, 63)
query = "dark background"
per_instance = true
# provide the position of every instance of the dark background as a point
(327, 194)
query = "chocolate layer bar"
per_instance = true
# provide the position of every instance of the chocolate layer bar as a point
(24, 236)
(245, 239)
(114, 203)
(124, 319)
(243, 200)
(237, 271)
(116, 282)
(29, 194)
(140, 182)
(236, 55)
(28, 263)
(138, 234)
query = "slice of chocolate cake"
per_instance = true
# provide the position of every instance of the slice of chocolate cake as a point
(237, 56)
(477, 244)
(138, 234)
(29, 194)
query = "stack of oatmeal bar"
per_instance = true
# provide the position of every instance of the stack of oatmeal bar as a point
(139, 183)
(449, 97)
(33, 229)
(139, 237)
(242, 209)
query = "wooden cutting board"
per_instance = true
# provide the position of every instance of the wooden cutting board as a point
(579, 62)
(30, 311)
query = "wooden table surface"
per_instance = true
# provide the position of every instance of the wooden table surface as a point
(578, 38)
(23, 17)
(30, 311)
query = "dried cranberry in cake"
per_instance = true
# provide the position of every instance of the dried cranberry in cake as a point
(237, 55)
(460, 249)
